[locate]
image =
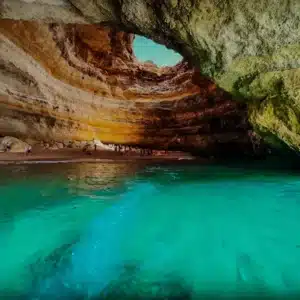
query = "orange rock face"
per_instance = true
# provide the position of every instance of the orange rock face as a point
(79, 82)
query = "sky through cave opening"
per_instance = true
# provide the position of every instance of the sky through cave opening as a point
(147, 50)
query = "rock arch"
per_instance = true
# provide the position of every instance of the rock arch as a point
(249, 48)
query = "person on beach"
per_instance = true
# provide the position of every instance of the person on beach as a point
(28, 150)
(86, 150)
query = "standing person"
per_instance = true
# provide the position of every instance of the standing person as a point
(28, 150)
(95, 145)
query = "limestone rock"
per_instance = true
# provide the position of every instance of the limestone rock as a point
(250, 48)
(60, 145)
(77, 144)
(12, 144)
(46, 145)
(100, 146)
(76, 83)
(53, 147)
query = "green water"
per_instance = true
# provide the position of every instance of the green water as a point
(127, 231)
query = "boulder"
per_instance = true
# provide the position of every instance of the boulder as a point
(60, 145)
(77, 145)
(46, 145)
(53, 147)
(12, 144)
(100, 146)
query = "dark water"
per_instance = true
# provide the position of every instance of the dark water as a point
(126, 231)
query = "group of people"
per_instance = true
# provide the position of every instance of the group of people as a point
(130, 149)
(125, 149)
(122, 149)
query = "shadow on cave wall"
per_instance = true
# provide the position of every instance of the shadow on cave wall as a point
(207, 124)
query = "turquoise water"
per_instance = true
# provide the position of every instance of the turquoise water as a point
(128, 231)
(145, 49)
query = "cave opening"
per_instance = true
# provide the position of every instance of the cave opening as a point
(148, 51)
(130, 106)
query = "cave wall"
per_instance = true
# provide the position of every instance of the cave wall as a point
(249, 48)
(82, 82)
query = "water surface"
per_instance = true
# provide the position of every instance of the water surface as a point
(117, 230)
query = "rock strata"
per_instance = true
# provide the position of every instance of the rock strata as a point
(249, 48)
(82, 83)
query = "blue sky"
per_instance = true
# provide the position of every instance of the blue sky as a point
(146, 49)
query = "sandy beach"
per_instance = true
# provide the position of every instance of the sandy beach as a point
(77, 155)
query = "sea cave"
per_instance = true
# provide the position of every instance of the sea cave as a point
(149, 149)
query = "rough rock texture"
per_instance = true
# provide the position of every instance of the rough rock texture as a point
(83, 82)
(250, 48)
(12, 144)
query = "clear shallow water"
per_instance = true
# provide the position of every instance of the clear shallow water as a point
(117, 230)
(145, 49)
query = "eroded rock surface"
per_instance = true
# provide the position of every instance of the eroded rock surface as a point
(12, 144)
(249, 48)
(83, 82)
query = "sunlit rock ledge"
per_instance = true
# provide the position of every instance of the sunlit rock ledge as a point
(83, 82)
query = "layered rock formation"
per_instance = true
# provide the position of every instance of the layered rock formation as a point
(250, 48)
(83, 82)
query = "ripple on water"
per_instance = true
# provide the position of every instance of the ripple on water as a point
(118, 230)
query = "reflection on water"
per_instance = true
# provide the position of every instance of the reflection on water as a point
(119, 230)
(45, 206)
(100, 176)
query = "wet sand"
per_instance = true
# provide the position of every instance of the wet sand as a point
(77, 155)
